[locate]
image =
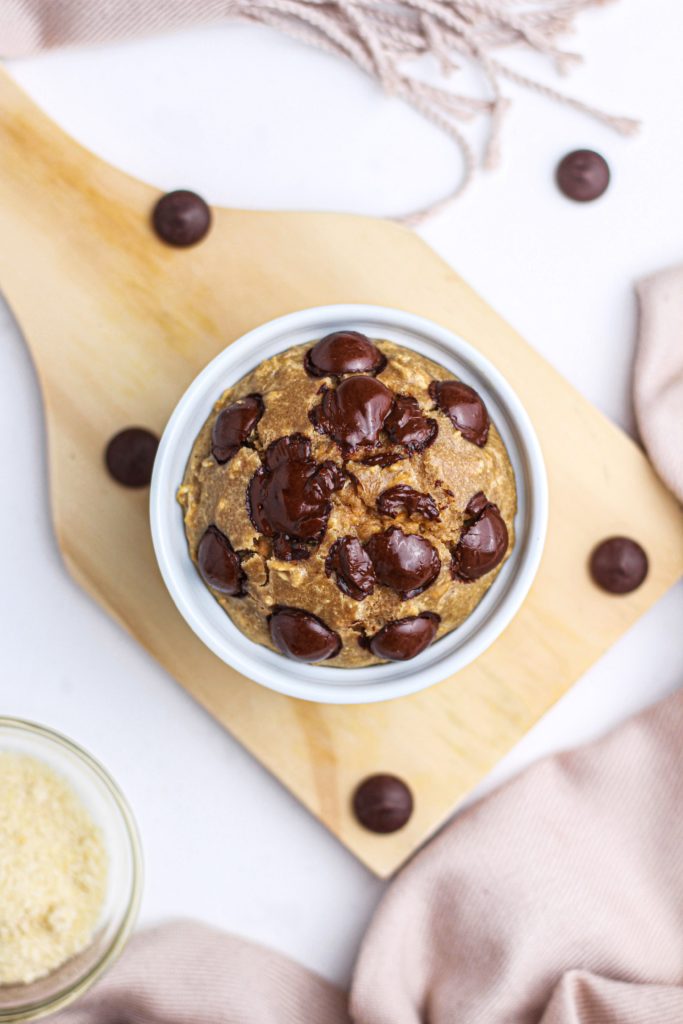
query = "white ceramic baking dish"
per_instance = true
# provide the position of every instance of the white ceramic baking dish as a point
(322, 683)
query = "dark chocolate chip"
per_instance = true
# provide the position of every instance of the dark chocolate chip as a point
(343, 352)
(403, 498)
(406, 424)
(582, 175)
(383, 803)
(384, 459)
(233, 425)
(181, 218)
(289, 549)
(405, 562)
(477, 504)
(219, 563)
(404, 639)
(288, 498)
(464, 408)
(302, 635)
(619, 565)
(354, 412)
(352, 568)
(483, 541)
(130, 456)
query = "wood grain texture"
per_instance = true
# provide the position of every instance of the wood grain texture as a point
(119, 325)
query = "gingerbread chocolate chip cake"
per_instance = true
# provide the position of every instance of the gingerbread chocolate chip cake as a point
(348, 502)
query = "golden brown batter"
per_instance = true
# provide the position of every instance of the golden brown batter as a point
(359, 419)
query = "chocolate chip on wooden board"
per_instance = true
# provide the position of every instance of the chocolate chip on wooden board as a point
(383, 803)
(618, 565)
(130, 455)
(181, 218)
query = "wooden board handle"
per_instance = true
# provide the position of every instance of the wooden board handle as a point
(56, 199)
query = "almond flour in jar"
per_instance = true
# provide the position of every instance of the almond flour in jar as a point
(53, 870)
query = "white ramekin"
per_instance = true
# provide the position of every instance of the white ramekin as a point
(322, 683)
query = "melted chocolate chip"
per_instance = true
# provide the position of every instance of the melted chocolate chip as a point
(181, 218)
(343, 352)
(233, 426)
(130, 456)
(384, 459)
(302, 635)
(582, 175)
(405, 562)
(483, 541)
(219, 564)
(383, 803)
(619, 565)
(407, 425)
(464, 408)
(354, 412)
(477, 504)
(404, 639)
(288, 498)
(403, 498)
(352, 567)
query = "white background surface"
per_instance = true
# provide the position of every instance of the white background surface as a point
(251, 119)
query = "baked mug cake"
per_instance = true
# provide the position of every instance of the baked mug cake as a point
(348, 502)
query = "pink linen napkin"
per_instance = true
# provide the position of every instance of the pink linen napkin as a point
(29, 26)
(188, 973)
(577, 865)
(658, 376)
(556, 900)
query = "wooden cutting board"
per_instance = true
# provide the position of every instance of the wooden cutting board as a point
(119, 324)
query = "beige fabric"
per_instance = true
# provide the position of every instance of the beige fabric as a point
(187, 973)
(557, 900)
(582, 998)
(29, 26)
(658, 378)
